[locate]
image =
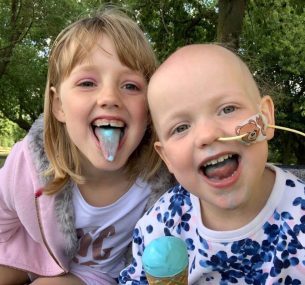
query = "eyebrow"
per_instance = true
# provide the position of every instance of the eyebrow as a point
(92, 67)
(84, 68)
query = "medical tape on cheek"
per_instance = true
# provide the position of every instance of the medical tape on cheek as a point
(250, 131)
(254, 129)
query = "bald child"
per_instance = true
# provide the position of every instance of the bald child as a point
(241, 218)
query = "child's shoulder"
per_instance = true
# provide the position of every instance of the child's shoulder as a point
(175, 194)
(288, 192)
(295, 172)
(27, 157)
(31, 144)
(18, 153)
(168, 215)
(287, 178)
(174, 202)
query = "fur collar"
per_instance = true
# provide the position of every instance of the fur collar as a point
(63, 200)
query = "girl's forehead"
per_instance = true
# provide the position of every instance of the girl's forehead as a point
(77, 45)
(77, 51)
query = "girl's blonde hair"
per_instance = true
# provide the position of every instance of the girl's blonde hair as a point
(69, 49)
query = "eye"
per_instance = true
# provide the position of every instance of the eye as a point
(228, 109)
(131, 87)
(181, 129)
(86, 84)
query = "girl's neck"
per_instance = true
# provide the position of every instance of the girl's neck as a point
(104, 189)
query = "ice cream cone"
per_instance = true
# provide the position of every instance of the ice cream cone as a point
(179, 279)
(165, 261)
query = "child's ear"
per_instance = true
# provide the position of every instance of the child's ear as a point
(57, 105)
(160, 150)
(267, 109)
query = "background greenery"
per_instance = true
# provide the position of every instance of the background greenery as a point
(268, 34)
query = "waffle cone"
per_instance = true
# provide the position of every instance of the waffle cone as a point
(179, 279)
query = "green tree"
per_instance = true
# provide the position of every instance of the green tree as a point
(10, 133)
(174, 23)
(273, 41)
(269, 35)
(29, 28)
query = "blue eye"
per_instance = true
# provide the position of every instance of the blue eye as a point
(132, 87)
(181, 129)
(229, 109)
(86, 84)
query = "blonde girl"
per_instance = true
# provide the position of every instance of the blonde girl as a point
(72, 190)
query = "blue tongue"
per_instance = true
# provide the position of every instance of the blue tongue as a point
(109, 141)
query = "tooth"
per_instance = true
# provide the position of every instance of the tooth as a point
(118, 124)
(109, 141)
(220, 159)
(106, 122)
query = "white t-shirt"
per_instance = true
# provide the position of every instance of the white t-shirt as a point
(105, 232)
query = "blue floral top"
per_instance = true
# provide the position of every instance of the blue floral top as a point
(268, 250)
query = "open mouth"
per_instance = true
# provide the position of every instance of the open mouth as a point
(109, 134)
(221, 168)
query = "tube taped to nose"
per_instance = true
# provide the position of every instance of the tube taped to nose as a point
(109, 141)
(253, 130)
(250, 131)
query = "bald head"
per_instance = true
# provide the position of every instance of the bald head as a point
(202, 57)
(199, 94)
(205, 64)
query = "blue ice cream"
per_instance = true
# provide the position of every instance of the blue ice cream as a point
(165, 257)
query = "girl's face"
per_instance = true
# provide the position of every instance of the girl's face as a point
(205, 99)
(102, 91)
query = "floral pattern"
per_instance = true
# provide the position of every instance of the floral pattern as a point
(273, 253)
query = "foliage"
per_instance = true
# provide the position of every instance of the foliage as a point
(173, 23)
(10, 133)
(271, 41)
(30, 27)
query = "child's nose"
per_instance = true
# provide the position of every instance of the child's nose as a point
(206, 133)
(109, 97)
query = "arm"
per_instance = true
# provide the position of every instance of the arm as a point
(17, 205)
(8, 215)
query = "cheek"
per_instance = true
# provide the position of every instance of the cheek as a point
(72, 107)
(259, 152)
(255, 160)
(139, 114)
(179, 159)
(140, 110)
